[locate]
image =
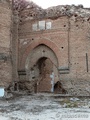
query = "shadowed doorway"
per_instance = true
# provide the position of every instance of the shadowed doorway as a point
(45, 83)
(42, 69)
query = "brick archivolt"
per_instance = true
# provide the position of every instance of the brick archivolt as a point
(36, 43)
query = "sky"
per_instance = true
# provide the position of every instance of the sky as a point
(48, 3)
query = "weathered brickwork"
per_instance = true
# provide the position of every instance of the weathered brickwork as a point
(47, 50)
(68, 38)
(5, 44)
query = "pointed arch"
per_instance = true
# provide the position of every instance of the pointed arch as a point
(34, 44)
(40, 51)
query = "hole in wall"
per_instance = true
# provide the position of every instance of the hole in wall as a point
(64, 25)
(75, 15)
(62, 47)
(15, 86)
(20, 20)
(76, 25)
(88, 19)
(43, 50)
(58, 88)
(32, 69)
(32, 38)
(33, 77)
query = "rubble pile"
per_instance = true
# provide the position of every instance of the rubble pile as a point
(68, 10)
(33, 11)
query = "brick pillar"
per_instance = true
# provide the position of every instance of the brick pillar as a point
(15, 46)
(5, 44)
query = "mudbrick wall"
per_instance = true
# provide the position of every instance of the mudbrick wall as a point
(5, 44)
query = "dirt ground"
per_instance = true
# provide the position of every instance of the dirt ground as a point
(44, 107)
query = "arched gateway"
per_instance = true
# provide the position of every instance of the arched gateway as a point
(41, 66)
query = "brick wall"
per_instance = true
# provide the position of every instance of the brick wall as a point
(72, 42)
(65, 41)
(5, 44)
(69, 41)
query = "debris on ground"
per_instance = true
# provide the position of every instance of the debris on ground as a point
(43, 106)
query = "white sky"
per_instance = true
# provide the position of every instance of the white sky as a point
(49, 3)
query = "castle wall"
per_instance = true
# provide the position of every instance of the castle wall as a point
(58, 37)
(77, 82)
(5, 44)
(71, 36)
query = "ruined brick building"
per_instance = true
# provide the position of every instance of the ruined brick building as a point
(45, 50)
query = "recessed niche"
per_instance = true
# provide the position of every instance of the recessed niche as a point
(41, 25)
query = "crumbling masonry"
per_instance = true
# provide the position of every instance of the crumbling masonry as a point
(45, 50)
